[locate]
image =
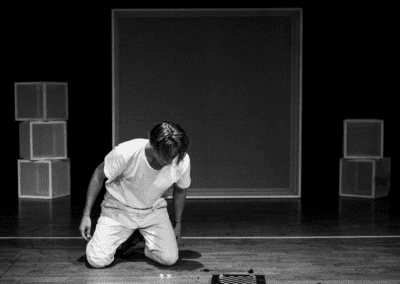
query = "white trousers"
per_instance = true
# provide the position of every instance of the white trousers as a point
(115, 226)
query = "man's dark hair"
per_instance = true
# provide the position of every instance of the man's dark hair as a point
(166, 135)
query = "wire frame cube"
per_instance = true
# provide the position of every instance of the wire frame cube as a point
(367, 178)
(44, 179)
(363, 138)
(41, 140)
(41, 101)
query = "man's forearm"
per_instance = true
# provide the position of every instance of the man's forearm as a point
(92, 193)
(179, 202)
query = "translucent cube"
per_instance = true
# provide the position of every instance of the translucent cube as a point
(363, 138)
(41, 101)
(369, 178)
(41, 140)
(45, 179)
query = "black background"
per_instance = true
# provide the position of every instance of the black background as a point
(348, 72)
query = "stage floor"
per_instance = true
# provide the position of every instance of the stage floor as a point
(349, 241)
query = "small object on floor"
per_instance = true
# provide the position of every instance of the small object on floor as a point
(237, 279)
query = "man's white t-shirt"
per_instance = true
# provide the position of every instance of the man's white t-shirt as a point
(134, 183)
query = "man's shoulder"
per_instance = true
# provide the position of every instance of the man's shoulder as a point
(134, 142)
(132, 146)
(185, 162)
(186, 158)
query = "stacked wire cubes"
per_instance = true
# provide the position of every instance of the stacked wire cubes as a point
(364, 171)
(41, 108)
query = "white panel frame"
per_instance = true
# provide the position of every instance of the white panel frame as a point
(373, 194)
(115, 114)
(346, 122)
(45, 84)
(49, 190)
(31, 141)
(54, 142)
(44, 106)
(16, 84)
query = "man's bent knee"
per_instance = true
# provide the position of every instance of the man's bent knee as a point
(161, 258)
(97, 260)
(169, 261)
